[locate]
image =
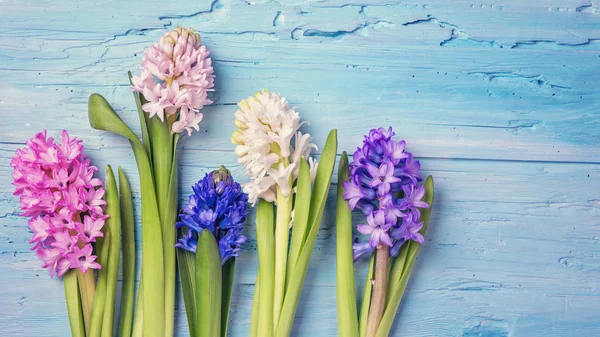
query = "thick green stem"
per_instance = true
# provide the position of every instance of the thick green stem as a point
(282, 233)
(74, 307)
(163, 163)
(382, 260)
(87, 291)
(266, 261)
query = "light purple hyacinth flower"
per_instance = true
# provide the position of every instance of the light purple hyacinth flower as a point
(384, 185)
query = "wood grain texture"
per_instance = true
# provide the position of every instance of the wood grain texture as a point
(499, 100)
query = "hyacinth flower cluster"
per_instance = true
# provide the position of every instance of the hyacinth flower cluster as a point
(58, 192)
(76, 227)
(266, 127)
(383, 182)
(211, 235)
(219, 206)
(384, 186)
(276, 157)
(175, 78)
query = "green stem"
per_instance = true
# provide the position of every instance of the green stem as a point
(128, 246)
(266, 261)
(87, 291)
(162, 158)
(74, 307)
(282, 233)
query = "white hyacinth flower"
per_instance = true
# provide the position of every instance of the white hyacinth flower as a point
(269, 145)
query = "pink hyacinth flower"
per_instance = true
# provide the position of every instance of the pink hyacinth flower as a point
(56, 188)
(175, 78)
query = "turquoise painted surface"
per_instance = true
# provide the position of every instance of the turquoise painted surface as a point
(499, 100)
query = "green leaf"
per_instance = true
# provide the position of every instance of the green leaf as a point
(366, 302)
(142, 115)
(74, 307)
(301, 212)
(265, 224)
(103, 117)
(318, 198)
(187, 276)
(128, 246)
(412, 249)
(323, 180)
(209, 283)
(103, 248)
(228, 271)
(345, 293)
(113, 210)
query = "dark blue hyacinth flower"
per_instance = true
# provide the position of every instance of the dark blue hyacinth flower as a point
(384, 181)
(218, 205)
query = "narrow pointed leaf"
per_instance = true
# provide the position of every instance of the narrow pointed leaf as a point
(128, 246)
(142, 115)
(187, 276)
(318, 198)
(366, 302)
(345, 292)
(74, 308)
(323, 180)
(103, 244)
(113, 210)
(301, 213)
(228, 273)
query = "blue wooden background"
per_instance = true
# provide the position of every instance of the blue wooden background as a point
(499, 101)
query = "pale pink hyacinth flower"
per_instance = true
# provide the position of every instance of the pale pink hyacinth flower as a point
(58, 192)
(176, 76)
